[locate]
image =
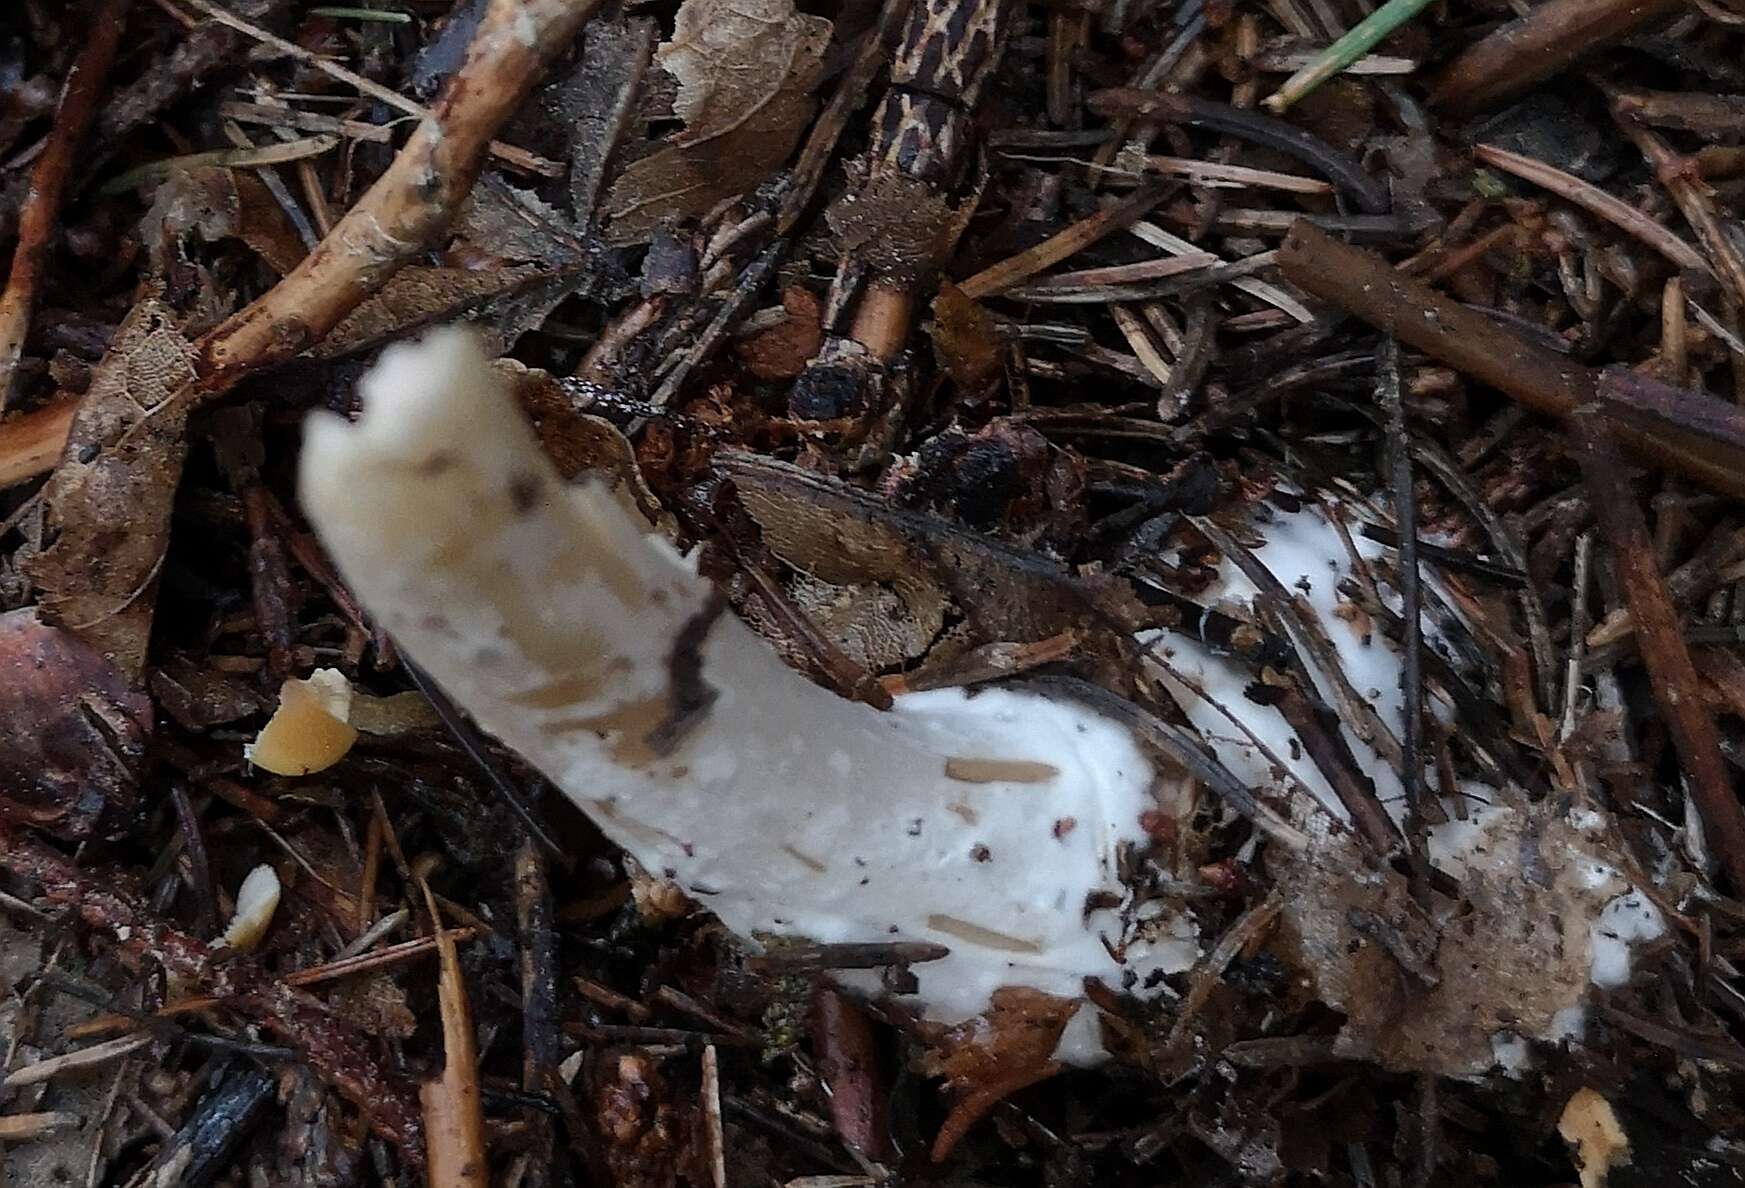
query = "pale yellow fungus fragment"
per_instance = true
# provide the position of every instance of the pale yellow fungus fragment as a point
(1590, 1126)
(310, 730)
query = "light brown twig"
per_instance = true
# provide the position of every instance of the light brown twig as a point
(411, 203)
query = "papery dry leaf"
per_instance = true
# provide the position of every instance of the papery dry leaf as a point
(845, 536)
(746, 70)
(1020, 1030)
(679, 181)
(109, 499)
(1515, 954)
(216, 203)
(422, 295)
(198, 697)
(732, 58)
(597, 103)
(530, 259)
(875, 627)
(517, 226)
(967, 339)
(580, 443)
(74, 732)
(782, 351)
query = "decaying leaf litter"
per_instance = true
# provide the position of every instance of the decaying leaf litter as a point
(969, 342)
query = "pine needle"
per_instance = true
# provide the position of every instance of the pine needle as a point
(1342, 53)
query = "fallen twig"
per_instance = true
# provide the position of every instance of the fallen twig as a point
(507, 153)
(48, 184)
(1595, 201)
(31, 442)
(1539, 45)
(1673, 677)
(1705, 445)
(454, 1120)
(410, 204)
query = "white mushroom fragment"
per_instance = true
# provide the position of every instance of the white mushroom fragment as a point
(598, 654)
(991, 824)
(256, 901)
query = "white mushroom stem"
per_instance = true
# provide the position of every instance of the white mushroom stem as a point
(989, 824)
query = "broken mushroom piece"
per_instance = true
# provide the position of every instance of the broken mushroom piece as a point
(595, 651)
(1467, 982)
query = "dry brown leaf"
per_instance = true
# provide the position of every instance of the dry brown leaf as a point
(732, 58)
(782, 351)
(745, 70)
(199, 698)
(875, 627)
(845, 536)
(1514, 954)
(679, 181)
(420, 295)
(109, 499)
(1019, 1030)
(580, 443)
(966, 339)
(214, 204)
(75, 733)
(524, 259)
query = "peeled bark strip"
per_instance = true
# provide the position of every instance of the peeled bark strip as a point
(589, 647)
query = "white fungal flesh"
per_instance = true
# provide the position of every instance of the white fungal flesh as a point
(988, 824)
(983, 823)
(1305, 552)
(256, 901)
(1309, 557)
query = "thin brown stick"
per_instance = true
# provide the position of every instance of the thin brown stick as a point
(996, 278)
(1539, 45)
(48, 184)
(31, 443)
(332, 1047)
(1701, 443)
(1694, 202)
(376, 961)
(454, 1118)
(1672, 675)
